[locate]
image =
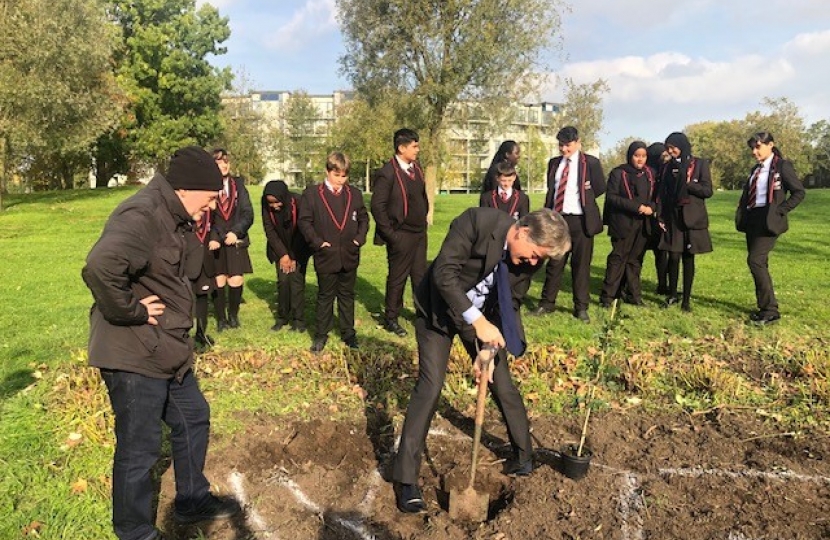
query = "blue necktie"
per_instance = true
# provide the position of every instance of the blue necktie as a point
(509, 324)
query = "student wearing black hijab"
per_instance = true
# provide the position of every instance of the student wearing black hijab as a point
(510, 152)
(685, 184)
(657, 158)
(628, 209)
(288, 250)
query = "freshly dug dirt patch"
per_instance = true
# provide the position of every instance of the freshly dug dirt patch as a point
(723, 476)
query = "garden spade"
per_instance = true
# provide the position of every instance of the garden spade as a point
(470, 505)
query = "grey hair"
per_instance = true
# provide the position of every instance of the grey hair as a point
(547, 229)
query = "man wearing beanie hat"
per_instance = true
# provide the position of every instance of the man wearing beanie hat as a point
(138, 273)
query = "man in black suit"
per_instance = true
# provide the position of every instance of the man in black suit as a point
(575, 180)
(485, 252)
(399, 206)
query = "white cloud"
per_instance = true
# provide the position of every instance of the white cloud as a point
(656, 94)
(312, 21)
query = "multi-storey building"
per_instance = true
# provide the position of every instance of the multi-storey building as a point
(472, 136)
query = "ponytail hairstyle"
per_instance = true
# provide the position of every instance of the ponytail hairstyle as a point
(763, 137)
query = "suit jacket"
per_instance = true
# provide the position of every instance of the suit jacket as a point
(591, 185)
(317, 226)
(471, 250)
(626, 192)
(699, 184)
(517, 206)
(391, 199)
(284, 236)
(241, 217)
(783, 179)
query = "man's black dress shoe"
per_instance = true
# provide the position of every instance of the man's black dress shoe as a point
(351, 342)
(516, 468)
(215, 508)
(409, 499)
(391, 325)
(768, 318)
(318, 344)
(542, 310)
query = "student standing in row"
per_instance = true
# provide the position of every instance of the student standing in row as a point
(762, 215)
(232, 218)
(508, 152)
(334, 221)
(505, 197)
(629, 205)
(684, 187)
(205, 284)
(575, 180)
(288, 250)
(657, 158)
(400, 207)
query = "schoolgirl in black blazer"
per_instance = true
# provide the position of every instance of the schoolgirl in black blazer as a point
(685, 184)
(629, 205)
(762, 215)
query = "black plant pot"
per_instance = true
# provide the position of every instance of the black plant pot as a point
(573, 466)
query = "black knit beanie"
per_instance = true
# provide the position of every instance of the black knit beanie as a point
(193, 168)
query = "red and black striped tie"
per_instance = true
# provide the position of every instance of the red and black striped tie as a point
(559, 201)
(753, 187)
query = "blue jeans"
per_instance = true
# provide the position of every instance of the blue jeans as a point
(140, 404)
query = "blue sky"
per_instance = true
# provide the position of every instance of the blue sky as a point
(667, 64)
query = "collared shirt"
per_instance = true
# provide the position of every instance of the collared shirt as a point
(762, 186)
(332, 188)
(505, 193)
(226, 190)
(572, 204)
(404, 165)
(478, 295)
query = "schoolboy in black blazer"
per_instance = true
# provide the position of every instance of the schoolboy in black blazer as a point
(504, 197)
(576, 199)
(334, 221)
(400, 206)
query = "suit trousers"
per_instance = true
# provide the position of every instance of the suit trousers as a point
(291, 294)
(407, 257)
(339, 285)
(624, 265)
(582, 251)
(759, 244)
(433, 357)
(140, 405)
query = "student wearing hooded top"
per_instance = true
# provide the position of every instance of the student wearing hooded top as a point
(399, 205)
(762, 216)
(508, 152)
(505, 197)
(575, 180)
(232, 218)
(334, 221)
(138, 272)
(628, 209)
(288, 250)
(685, 184)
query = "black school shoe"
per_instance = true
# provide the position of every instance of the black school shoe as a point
(408, 499)
(767, 318)
(392, 325)
(215, 508)
(351, 342)
(516, 468)
(318, 344)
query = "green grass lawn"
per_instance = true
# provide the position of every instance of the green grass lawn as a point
(698, 360)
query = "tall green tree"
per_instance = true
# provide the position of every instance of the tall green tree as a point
(618, 154)
(245, 132)
(787, 125)
(723, 144)
(582, 109)
(306, 137)
(174, 92)
(818, 136)
(441, 52)
(57, 90)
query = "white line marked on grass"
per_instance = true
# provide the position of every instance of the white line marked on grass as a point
(629, 507)
(237, 482)
(695, 472)
(356, 526)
